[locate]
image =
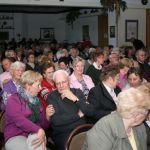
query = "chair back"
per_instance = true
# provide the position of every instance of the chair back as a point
(77, 136)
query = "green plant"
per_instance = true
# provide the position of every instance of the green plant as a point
(72, 16)
(114, 5)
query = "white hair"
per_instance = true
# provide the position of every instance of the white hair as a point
(59, 72)
(17, 64)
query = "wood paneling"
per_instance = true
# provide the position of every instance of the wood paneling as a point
(102, 31)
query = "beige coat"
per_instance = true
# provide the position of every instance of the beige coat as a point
(109, 134)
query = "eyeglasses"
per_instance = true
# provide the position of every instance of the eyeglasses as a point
(62, 82)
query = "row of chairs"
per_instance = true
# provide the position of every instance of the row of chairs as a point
(74, 142)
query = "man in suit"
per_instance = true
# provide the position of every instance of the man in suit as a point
(103, 96)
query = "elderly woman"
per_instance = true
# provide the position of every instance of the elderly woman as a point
(26, 120)
(78, 79)
(12, 86)
(145, 87)
(123, 129)
(47, 83)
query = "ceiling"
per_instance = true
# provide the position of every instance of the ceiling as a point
(36, 9)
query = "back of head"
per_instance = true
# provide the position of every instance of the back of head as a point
(110, 71)
(132, 100)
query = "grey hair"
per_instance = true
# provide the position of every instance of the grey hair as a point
(76, 60)
(17, 64)
(59, 72)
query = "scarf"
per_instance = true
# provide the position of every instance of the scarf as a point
(33, 103)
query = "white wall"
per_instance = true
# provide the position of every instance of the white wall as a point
(75, 34)
(132, 14)
(112, 22)
(37, 21)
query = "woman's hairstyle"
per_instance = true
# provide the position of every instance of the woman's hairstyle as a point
(76, 60)
(47, 65)
(127, 62)
(110, 71)
(135, 70)
(97, 54)
(29, 77)
(30, 53)
(132, 100)
(64, 60)
(17, 65)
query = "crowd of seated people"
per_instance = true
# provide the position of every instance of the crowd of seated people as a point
(76, 85)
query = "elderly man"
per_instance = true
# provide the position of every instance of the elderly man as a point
(141, 56)
(70, 106)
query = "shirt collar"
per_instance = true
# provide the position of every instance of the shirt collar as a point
(96, 66)
(107, 87)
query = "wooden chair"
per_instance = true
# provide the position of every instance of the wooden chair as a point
(2, 121)
(77, 136)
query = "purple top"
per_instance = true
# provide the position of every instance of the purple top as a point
(16, 118)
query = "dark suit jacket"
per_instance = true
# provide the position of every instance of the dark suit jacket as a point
(102, 102)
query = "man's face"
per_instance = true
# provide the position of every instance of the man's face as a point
(113, 81)
(6, 64)
(114, 58)
(62, 82)
(142, 56)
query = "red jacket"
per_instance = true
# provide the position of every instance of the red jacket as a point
(46, 89)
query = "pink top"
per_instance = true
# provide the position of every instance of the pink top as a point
(122, 81)
(74, 83)
(4, 77)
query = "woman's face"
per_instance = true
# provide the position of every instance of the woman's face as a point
(139, 118)
(134, 80)
(48, 75)
(31, 58)
(17, 72)
(124, 71)
(79, 68)
(34, 89)
(100, 59)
